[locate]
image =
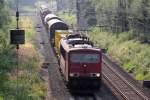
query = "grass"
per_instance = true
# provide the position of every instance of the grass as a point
(30, 64)
(130, 53)
(30, 85)
(27, 25)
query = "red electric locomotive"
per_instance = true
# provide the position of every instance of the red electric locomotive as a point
(80, 63)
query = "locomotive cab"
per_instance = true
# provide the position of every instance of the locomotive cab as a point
(80, 63)
(84, 69)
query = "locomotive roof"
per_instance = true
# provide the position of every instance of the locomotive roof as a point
(79, 41)
(73, 39)
(77, 35)
(69, 47)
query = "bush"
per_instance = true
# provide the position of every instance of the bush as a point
(28, 73)
(130, 53)
(68, 17)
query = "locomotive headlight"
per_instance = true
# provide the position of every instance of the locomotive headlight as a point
(98, 74)
(95, 74)
(73, 74)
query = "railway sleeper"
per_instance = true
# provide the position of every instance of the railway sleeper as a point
(84, 84)
(146, 83)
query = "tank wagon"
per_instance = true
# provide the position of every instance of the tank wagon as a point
(52, 23)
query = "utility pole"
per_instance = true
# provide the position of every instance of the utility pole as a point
(81, 20)
(78, 10)
(61, 4)
(1, 1)
(17, 37)
(17, 45)
(17, 15)
(122, 15)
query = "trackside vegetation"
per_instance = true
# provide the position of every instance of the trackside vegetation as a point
(130, 53)
(68, 17)
(126, 33)
(123, 28)
(29, 84)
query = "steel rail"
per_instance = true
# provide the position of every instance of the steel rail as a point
(127, 83)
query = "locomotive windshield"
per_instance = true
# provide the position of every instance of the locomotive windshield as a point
(85, 58)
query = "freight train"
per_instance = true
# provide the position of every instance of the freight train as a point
(80, 61)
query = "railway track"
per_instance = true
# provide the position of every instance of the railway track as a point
(57, 90)
(123, 89)
(85, 97)
(56, 87)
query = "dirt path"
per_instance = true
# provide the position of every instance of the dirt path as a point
(57, 89)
